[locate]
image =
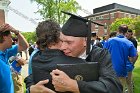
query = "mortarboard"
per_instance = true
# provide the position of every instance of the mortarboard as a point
(78, 27)
(75, 26)
(93, 34)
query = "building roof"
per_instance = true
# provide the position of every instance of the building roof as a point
(113, 7)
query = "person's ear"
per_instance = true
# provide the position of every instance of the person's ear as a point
(85, 42)
(4, 38)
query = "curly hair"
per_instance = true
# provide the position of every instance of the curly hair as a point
(48, 33)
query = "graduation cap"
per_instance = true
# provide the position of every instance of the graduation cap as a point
(93, 34)
(78, 27)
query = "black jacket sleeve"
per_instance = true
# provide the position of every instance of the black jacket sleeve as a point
(108, 81)
(28, 81)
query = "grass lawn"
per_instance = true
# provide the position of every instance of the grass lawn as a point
(136, 76)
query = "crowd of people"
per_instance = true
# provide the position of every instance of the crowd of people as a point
(74, 43)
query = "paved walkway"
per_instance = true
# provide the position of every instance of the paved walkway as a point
(24, 71)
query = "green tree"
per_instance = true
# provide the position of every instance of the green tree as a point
(136, 26)
(128, 21)
(133, 23)
(29, 36)
(51, 9)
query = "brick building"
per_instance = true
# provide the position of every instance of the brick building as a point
(3, 10)
(108, 14)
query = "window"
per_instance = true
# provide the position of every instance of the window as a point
(92, 18)
(112, 15)
(97, 18)
(101, 17)
(106, 16)
(96, 28)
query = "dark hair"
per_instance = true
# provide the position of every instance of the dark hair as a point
(15, 40)
(113, 34)
(129, 30)
(93, 34)
(5, 33)
(48, 33)
(123, 28)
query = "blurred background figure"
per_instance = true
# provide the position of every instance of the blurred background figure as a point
(130, 66)
(112, 34)
(16, 66)
(123, 55)
(103, 40)
(130, 37)
(32, 47)
(95, 41)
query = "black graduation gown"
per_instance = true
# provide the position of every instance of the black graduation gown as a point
(108, 81)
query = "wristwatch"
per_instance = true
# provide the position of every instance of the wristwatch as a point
(17, 32)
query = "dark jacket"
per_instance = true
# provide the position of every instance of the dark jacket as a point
(134, 41)
(108, 81)
(44, 62)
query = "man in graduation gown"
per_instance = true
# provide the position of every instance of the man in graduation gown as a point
(75, 37)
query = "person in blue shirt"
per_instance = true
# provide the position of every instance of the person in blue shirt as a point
(30, 61)
(6, 51)
(122, 51)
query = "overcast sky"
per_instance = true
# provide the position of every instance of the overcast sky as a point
(27, 8)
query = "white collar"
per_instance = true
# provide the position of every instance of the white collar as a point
(84, 55)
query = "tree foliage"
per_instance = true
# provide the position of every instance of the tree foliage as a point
(133, 23)
(128, 21)
(136, 26)
(51, 9)
(29, 36)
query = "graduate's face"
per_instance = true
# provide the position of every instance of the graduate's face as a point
(72, 46)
